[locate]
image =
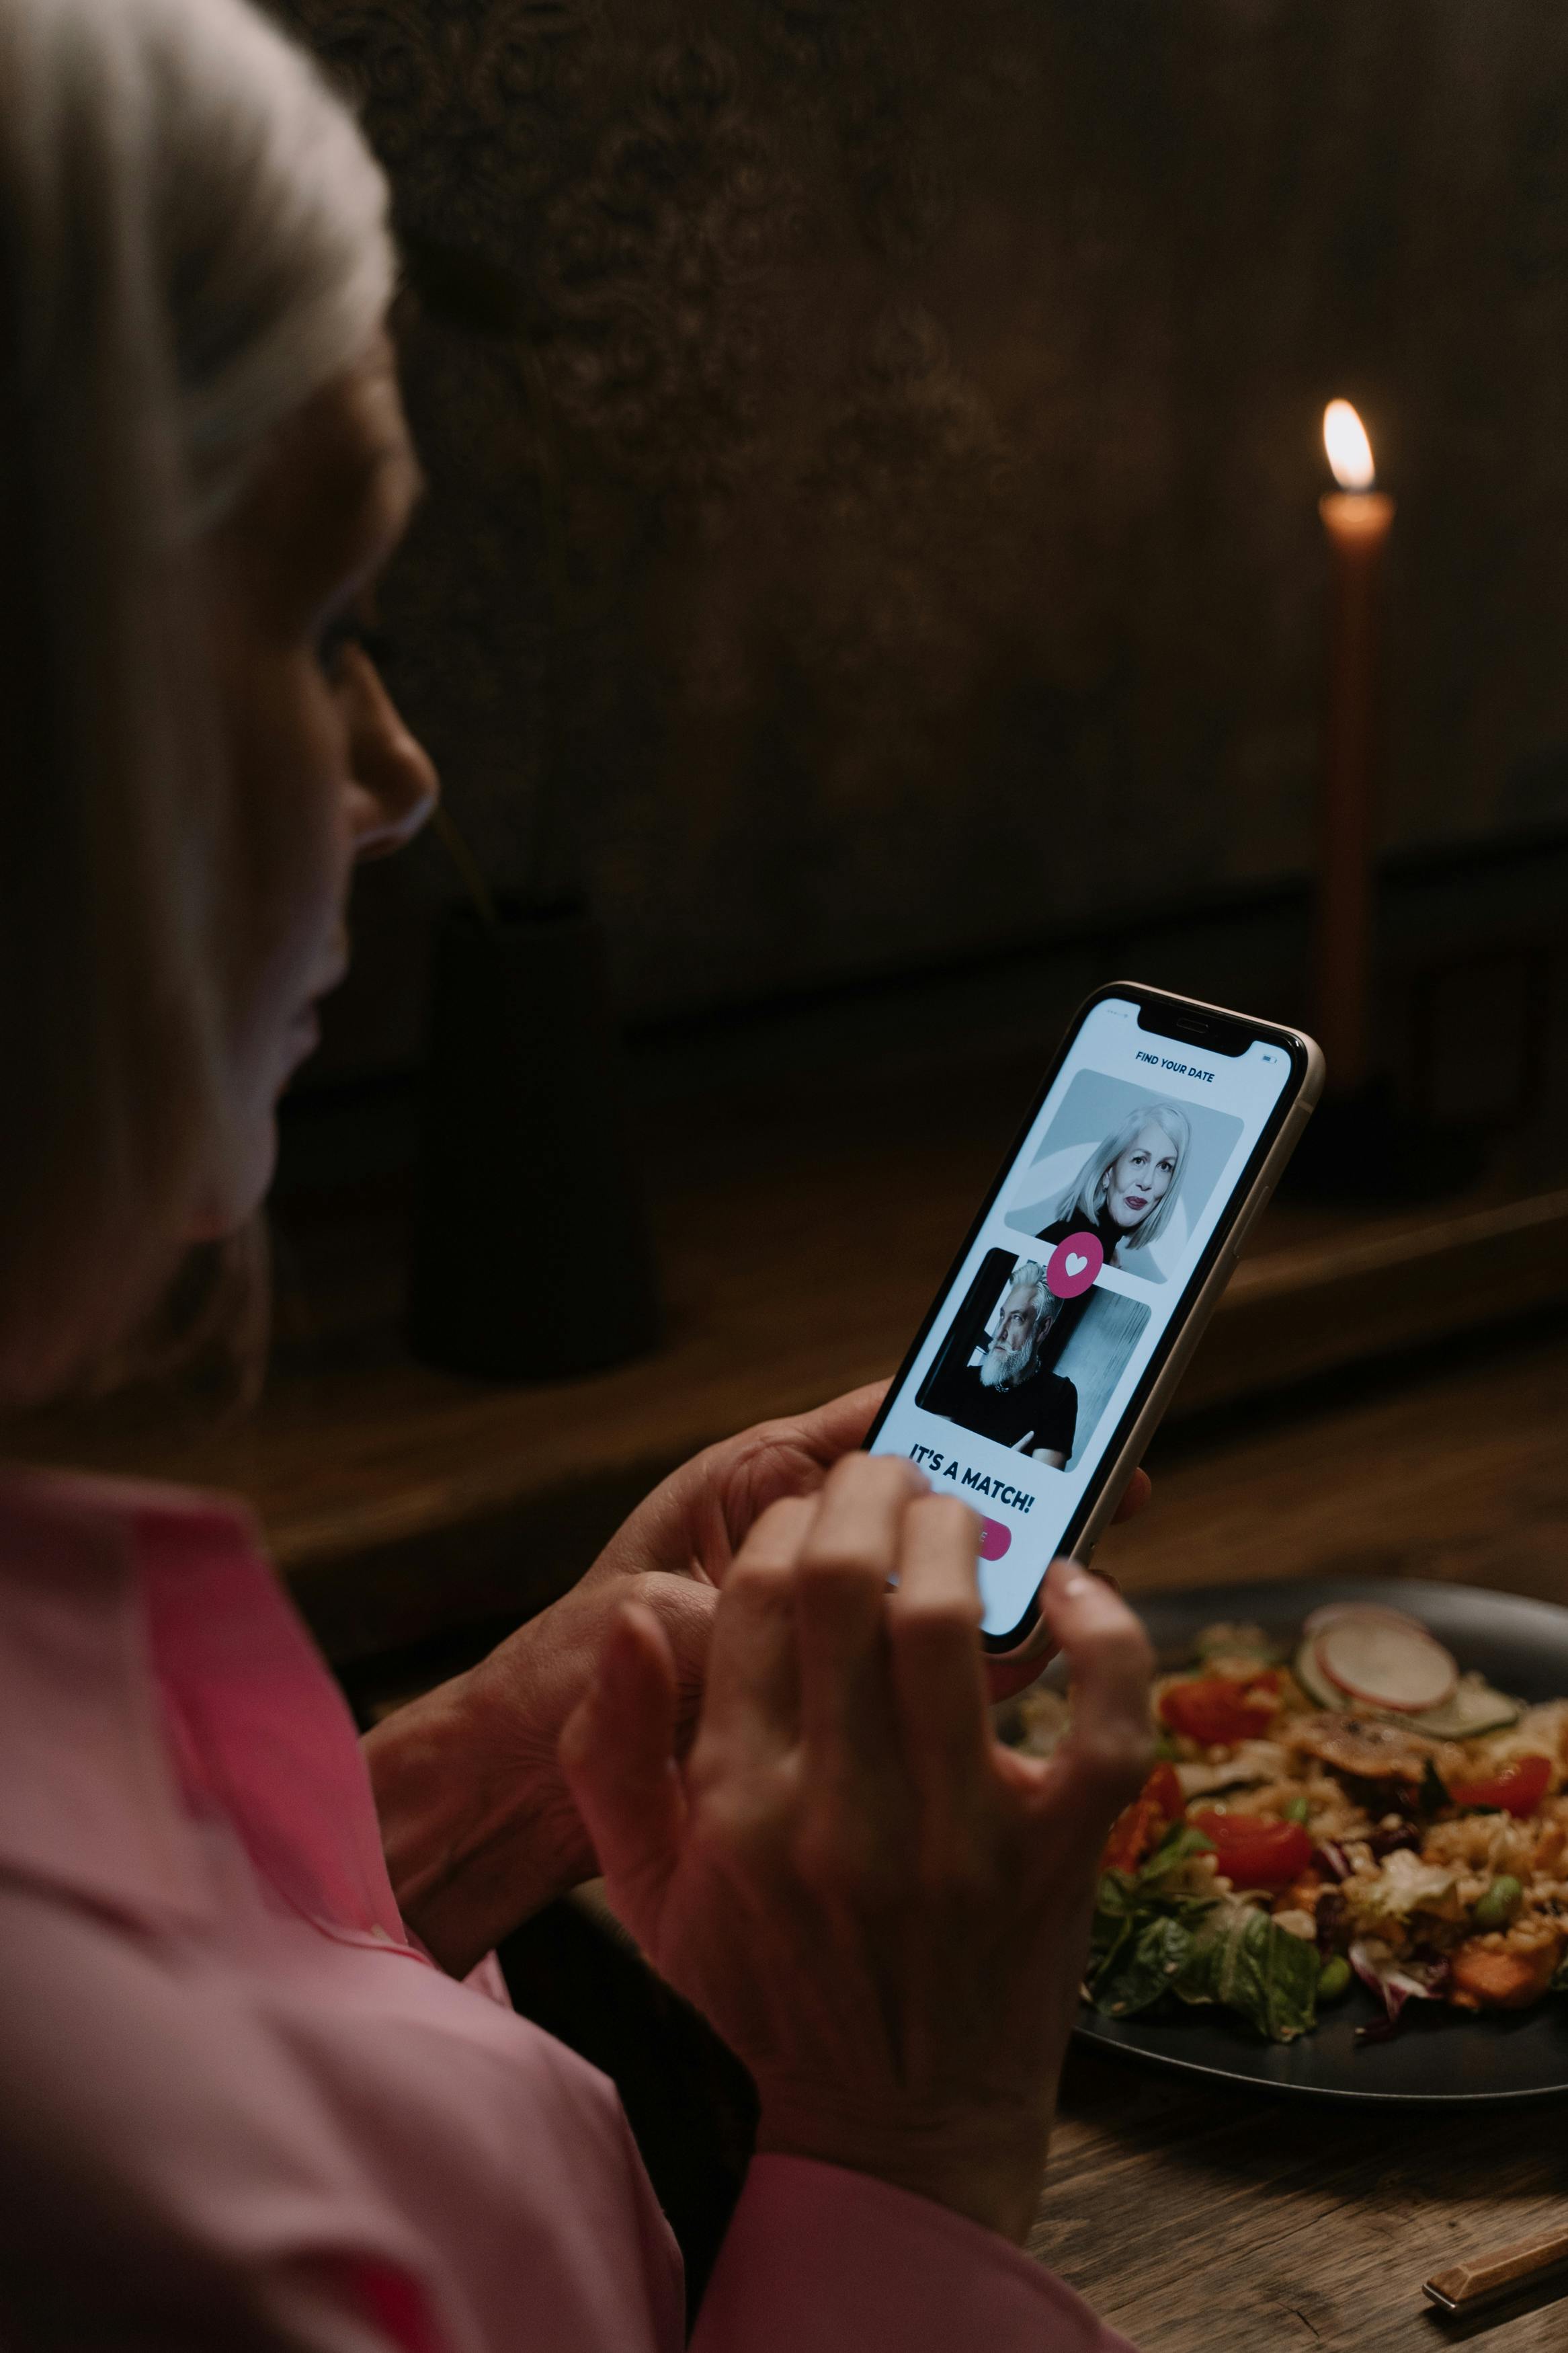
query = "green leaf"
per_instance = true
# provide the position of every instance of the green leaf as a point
(1141, 1922)
(1115, 1924)
(1144, 1970)
(1242, 1961)
(1118, 1894)
(1180, 1843)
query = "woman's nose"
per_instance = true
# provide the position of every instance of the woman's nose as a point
(393, 779)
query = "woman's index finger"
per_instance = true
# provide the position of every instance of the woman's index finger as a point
(752, 1697)
(1103, 1759)
(937, 1665)
(849, 1554)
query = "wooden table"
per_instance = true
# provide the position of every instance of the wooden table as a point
(1222, 2221)
(1214, 2222)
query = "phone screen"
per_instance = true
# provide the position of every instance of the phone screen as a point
(1052, 1328)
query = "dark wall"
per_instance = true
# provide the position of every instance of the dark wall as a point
(934, 393)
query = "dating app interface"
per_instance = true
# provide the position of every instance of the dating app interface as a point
(1069, 1288)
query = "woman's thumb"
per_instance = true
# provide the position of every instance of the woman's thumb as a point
(618, 1753)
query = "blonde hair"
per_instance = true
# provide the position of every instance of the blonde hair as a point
(193, 241)
(1086, 1197)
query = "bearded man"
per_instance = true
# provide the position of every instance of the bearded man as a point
(1010, 1396)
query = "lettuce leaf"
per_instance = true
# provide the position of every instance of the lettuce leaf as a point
(1179, 1845)
(1154, 1934)
(1143, 1926)
(1241, 1960)
(1144, 1967)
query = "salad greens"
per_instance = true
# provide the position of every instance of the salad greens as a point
(1248, 1963)
(1152, 1936)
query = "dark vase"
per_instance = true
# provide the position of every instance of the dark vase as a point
(533, 1256)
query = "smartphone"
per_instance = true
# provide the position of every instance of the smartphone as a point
(1057, 1341)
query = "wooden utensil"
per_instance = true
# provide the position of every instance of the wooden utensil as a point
(1480, 2278)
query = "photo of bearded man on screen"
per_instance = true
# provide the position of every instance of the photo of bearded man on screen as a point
(1010, 1395)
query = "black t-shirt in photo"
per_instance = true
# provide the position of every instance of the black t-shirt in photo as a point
(1043, 1409)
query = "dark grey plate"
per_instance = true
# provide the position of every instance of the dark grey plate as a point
(1441, 2056)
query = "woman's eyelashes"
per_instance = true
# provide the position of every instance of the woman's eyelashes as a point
(346, 630)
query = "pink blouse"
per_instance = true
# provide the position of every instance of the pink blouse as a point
(240, 2108)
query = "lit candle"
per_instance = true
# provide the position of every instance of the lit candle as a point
(1356, 518)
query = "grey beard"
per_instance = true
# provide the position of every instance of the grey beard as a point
(1004, 1368)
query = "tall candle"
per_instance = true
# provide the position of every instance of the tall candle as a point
(1356, 518)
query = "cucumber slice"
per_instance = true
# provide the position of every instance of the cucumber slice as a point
(1474, 1708)
(1313, 1680)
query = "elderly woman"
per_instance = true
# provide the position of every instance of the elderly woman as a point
(1127, 1188)
(257, 2086)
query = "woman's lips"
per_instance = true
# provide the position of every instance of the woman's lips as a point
(1136, 1200)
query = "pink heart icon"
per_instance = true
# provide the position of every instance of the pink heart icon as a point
(1074, 1265)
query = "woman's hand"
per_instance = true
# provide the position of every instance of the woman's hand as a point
(479, 1827)
(881, 1910)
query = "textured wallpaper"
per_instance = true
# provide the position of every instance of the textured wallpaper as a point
(898, 531)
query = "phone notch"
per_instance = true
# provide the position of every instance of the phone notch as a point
(1221, 1033)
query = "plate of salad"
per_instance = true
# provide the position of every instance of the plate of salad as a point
(1347, 1874)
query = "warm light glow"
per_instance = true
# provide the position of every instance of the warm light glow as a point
(1350, 451)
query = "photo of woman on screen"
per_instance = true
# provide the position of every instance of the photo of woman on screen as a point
(1128, 1187)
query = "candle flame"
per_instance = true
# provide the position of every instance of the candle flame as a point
(1350, 451)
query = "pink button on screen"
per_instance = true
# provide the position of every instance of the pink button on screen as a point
(1073, 1265)
(995, 1539)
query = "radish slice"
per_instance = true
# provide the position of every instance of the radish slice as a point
(1332, 1612)
(1385, 1660)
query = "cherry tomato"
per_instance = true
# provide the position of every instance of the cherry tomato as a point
(1517, 1788)
(1252, 1852)
(1139, 1827)
(1211, 1708)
